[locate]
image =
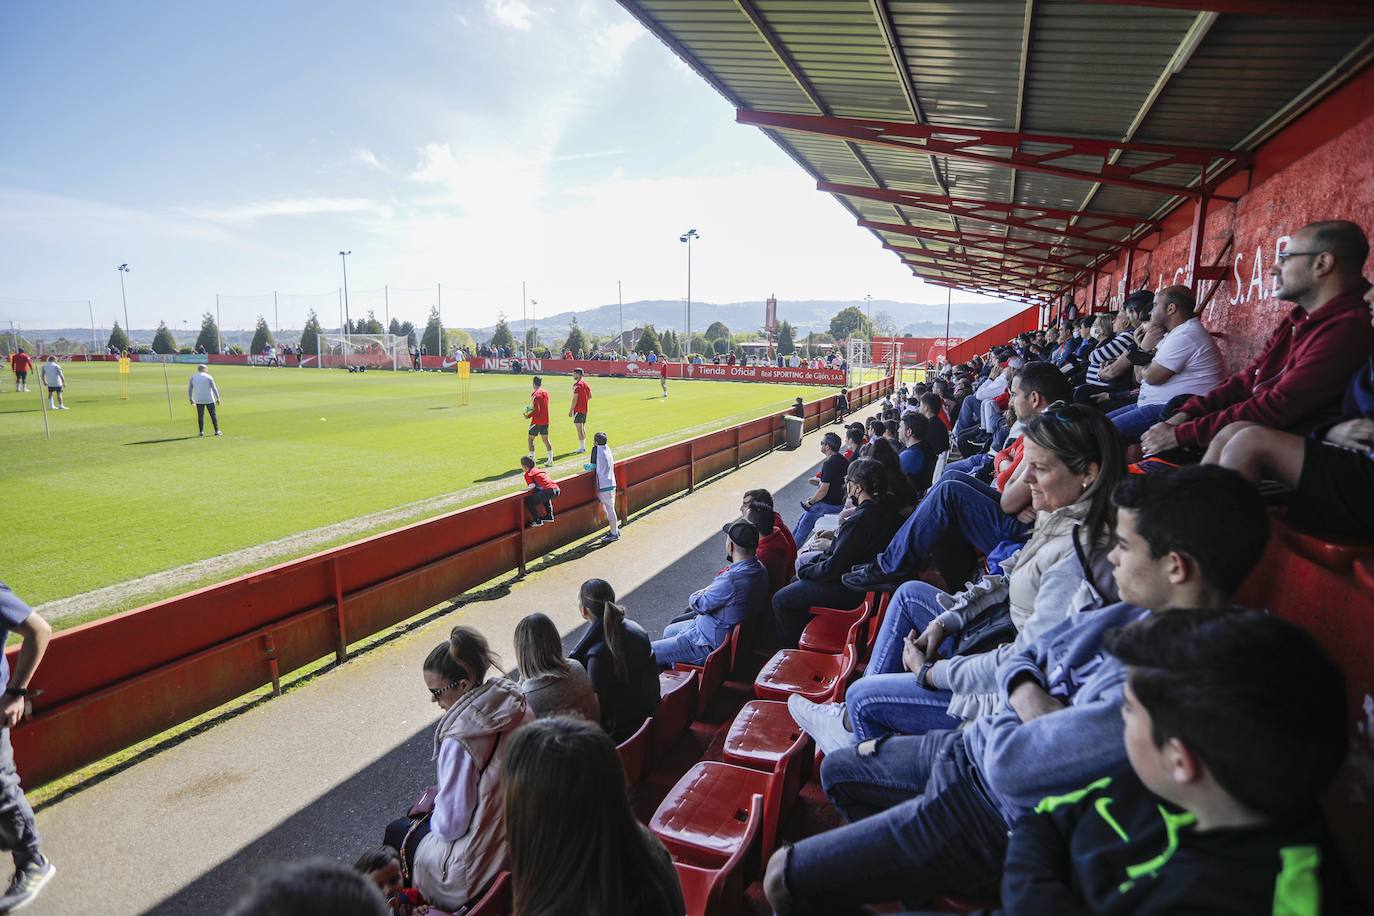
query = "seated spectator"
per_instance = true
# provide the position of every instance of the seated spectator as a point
(551, 685)
(575, 846)
(779, 526)
(1331, 471)
(829, 494)
(917, 459)
(1104, 387)
(540, 492)
(739, 592)
(1227, 763)
(933, 409)
(774, 551)
(853, 441)
(382, 866)
(959, 504)
(315, 887)
(954, 644)
(904, 494)
(970, 411)
(1297, 379)
(929, 815)
(619, 661)
(460, 848)
(1186, 362)
(858, 539)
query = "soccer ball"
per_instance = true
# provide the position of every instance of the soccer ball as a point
(529, 411)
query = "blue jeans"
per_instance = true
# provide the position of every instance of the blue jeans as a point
(1133, 421)
(681, 642)
(971, 465)
(959, 504)
(921, 826)
(968, 415)
(802, 530)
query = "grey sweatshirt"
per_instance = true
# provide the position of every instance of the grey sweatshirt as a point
(1021, 763)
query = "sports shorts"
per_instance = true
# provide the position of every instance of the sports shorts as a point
(55, 389)
(539, 429)
(579, 418)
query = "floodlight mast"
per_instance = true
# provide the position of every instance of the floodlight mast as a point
(343, 258)
(124, 269)
(687, 237)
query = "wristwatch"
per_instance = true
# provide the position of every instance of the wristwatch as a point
(921, 675)
(17, 692)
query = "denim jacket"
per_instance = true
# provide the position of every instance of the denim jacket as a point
(738, 593)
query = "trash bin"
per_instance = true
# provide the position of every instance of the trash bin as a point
(792, 426)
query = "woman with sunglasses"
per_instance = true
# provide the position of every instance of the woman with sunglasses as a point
(935, 660)
(461, 846)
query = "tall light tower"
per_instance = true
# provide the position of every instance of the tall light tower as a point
(124, 269)
(343, 258)
(687, 237)
(534, 317)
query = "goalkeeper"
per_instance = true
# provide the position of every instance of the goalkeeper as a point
(538, 414)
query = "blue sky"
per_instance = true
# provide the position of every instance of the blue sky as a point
(234, 148)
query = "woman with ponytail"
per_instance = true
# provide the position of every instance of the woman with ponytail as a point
(618, 658)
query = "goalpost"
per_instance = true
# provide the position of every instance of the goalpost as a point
(370, 351)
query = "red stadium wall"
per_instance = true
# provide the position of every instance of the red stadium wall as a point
(1319, 167)
(651, 370)
(112, 683)
(995, 336)
(915, 350)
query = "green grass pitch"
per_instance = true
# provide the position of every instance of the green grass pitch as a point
(122, 491)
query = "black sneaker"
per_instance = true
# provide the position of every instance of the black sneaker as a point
(537, 523)
(870, 577)
(27, 883)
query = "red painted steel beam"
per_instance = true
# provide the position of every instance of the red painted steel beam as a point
(1002, 256)
(971, 144)
(1014, 271)
(1070, 223)
(974, 276)
(1307, 9)
(998, 243)
(982, 291)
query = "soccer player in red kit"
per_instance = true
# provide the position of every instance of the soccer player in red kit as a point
(539, 420)
(582, 393)
(663, 376)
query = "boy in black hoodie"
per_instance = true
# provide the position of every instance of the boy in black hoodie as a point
(1235, 722)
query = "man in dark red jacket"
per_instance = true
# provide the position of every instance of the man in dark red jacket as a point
(1307, 361)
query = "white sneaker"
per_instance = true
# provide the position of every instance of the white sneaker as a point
(979, 595)
(822, 721)
(580, 450)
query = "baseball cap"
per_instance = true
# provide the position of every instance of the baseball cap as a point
(743, 533)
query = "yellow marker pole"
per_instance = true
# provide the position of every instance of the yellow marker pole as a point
(43, 399)
(124, 370)
(168, 385)
(464, 381)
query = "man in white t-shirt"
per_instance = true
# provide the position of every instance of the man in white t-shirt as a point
(54, 381)
(201, 391)
(1186, 362)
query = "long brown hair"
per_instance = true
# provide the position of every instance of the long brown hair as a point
(597, 596)
(575, 845)
(538, 648)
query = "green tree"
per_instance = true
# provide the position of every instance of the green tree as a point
(649, 342)
(700, 345)
(369, 325)
(310, 335)
(720, 346)
(532, 337)
(577, 341)
(786, 345)
(118, 339)
(163, 341)
(717, 331)
(394, 329)
(433, 338)
(262, 336)
(851, 322)
(457, 337)
(209, 334)
(501, 337)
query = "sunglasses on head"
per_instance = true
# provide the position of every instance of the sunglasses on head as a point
(1065, 412)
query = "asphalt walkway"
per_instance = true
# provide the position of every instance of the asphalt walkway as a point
(323, 768)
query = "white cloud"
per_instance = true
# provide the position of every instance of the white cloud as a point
(367, 157)
(291, 206)
(513, 14)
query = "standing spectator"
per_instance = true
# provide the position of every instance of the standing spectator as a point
(663, 376)
(1186, 362)
(619, 660)
(739, 592)
(841, 405)
(540, 491)
(575, 845)
(581, 394)
(552, 686)
(829, 496)
(300, 356)
(21, 363)
(55, 382)
(415, 359)
(201, 391)
(18, 831)
(538, 413)
(603, 463)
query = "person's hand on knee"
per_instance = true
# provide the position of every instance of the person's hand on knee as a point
(775, 882)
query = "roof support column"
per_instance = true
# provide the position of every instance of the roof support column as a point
(1199, 230)
(1092, 307)
(1126, 288)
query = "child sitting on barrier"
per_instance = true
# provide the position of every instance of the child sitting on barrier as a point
(382, 866)
(540, 491)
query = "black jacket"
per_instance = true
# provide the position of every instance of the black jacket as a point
(859, 539)
(1114, 847)
(624, 704)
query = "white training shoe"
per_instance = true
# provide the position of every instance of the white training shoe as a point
(580, 450)
(980, 595)
(822, 721)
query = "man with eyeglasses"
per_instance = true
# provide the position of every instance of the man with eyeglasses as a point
(1300, 374)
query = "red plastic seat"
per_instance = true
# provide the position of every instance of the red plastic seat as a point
(880, 602)
(496, 901)
(720, 891)
(765, 737)
(677, 692)
(818, 676)
(704, 819)
(712, 671)
(829, 628)
(1364, 574)
(1335, 552)
(633, 752)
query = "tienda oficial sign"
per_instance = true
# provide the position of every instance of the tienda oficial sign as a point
(637, 369)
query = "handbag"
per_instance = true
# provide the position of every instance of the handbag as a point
(991, 630)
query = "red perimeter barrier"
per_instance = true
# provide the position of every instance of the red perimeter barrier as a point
(995, 336)
(651, 370)
(114, 682)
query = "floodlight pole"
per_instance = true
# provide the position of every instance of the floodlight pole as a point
(524, 319)
(276, 315)
(687, 237)
(92, 312)
(620, 302)
(386, 305)
(219, 325)
(124, 269)
(343, 257)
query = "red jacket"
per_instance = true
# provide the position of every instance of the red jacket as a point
(1302, 370)
(778, 556)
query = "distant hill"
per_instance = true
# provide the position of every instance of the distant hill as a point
(914, 320)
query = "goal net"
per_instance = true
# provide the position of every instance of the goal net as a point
(371, 351)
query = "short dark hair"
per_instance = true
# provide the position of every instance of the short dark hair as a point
(890, 426)
(526, 461)
(1142, 300)
(1208, 512)
(1045, 379)
(853, 435)
(831, 441)
(538, 380)
(761, 517)
(315, 887)
(916, 424)
(932, 402)
(376, 859)
(759, 496)
(1206, 677)
(1180, 296)
(1345, 240)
